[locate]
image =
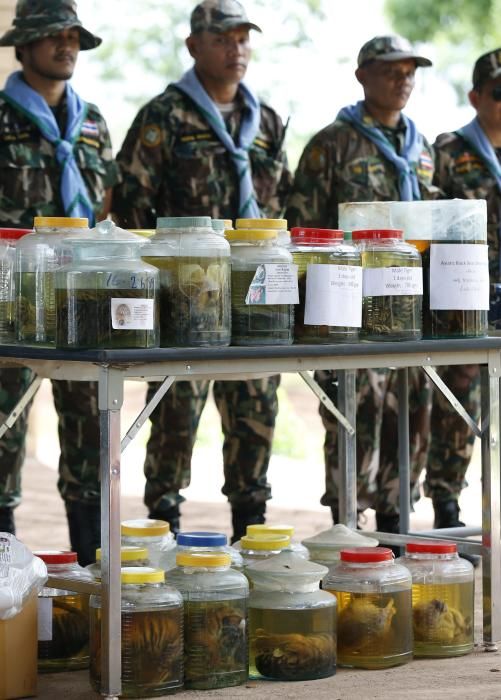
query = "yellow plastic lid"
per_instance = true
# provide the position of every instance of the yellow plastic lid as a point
(145, 232)
(141, 574)
(144, 528)
(128, 553)
(203, 559)
(228, 223)
(264, 529)
(271, 224)
(265, 542)
(249, 234)
(59, 222)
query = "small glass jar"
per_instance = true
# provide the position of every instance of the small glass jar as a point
(254, 321)
(129, 556)
(194, 265)
(392, 286)
(152, 635)
(264, 529)
(442, 599)
(107, 296)
(38, 256)
(154, 535)
(292, 624)
(262, 546)
(325, 548)
(374, 603)
(278, 225)
(8, 241)
(330, 298)
(215, 620)
(63, 617)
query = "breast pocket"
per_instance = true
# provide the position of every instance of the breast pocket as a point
(201, 172)
(94, 173)
(266, 175)
(26, 179)
(366, 179)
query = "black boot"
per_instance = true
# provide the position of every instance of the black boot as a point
(7, 523)
(169, 515)
(84, 522)
(389, 522)
(241, 516)
(447, 515)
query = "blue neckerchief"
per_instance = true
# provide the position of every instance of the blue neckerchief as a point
(475, 136)
(408, 183)
(22, 97)
(249, 128)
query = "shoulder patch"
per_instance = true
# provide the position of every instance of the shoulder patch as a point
(151, 135)
(315, 160)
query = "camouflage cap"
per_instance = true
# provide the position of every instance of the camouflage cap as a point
(486, 67)
(390, 48)
(37, 19)
(219, 16)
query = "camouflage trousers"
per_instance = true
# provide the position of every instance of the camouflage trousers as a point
(77, 409)
(248, 412)
(377, 436)
(452, 440)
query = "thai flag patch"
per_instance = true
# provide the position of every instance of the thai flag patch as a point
(425, 161)
(90, 129)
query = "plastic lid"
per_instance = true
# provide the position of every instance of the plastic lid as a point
(362, 555)
(265, 542)
(105, 233)
(431, 547)
(128, 553)
(340, 536)
(57, 557)
(289, 564)
(270, 224)
(203, 559)
(376, 234)
(141, 574)
(253, 530)
(144, 528)
(316, 235)
(59, 222)
(184, 222)
(201, 539)
(251, 235)
(13, 234)
(222, 224)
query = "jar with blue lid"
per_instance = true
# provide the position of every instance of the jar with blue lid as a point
(196, 542)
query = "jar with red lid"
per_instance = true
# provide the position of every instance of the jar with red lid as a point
(63, 617)
(374, 603)
(392, 286)
(330, 287)
(442, 598)
(8, 241)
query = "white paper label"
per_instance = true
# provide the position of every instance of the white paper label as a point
(392, 281)
(132, 314)
(274, 283)
(45, 619)
(333, 295)
(459, 277)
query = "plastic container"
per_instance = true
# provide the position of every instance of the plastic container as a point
(288, 530)
(330, 298)
(214, 542)
(107, 296)
(8, 241)
(278, 225)
(325, 548)
(63, 617)
(38, 256)
(129, 556)
(392, 286)
(194, 265)
(262, 546)
(221, 225)
(215, 620)
(255, 258)
(292, 624)
(152, 635)
(374, 602)
(442, 599)
(153, 535)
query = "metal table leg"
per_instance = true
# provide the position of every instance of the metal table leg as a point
(347, 448)
(404, 469)
(111, 385)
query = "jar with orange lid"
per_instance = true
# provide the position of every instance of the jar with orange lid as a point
(153, 535)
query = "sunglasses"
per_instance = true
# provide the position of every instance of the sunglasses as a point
(496, 93)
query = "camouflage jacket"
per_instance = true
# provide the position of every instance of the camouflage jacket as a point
(341, 165)
(172, 164)
(30, 174)
(462, 173)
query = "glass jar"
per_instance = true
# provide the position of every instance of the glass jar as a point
(195, 542)
(63, 617)
(325, 548)
(8, 241)
(442, 599)
(221, 225)
(152, 635)
(154, 535)
(292, 624)
(262, 546)
(278, 225)
(392, 286)
(194, 265)
(258, 267)
(263, 529)
(215, 620)
(107, 296)
(374, 603)
(38, 256)
(129, 556)
(330, 298)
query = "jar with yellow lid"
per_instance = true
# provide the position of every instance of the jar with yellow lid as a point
(264, 529)
(9, 238)
(278, 225)
(215, 619)
(152, 635)
(263, 288)
(153, 535)
(38, 256)
(261, 546)
(129, 556)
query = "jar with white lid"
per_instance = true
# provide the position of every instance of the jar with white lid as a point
(153, 535)
(9, 238)
(325, 547)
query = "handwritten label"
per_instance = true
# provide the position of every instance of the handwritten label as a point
(459, 277)
(274, 283)
(333, 295)
(392, 281)
(132, 314)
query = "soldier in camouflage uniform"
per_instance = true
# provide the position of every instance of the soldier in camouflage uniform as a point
(468, 167)
(353, 160)
(47, 36)
(174, 164)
